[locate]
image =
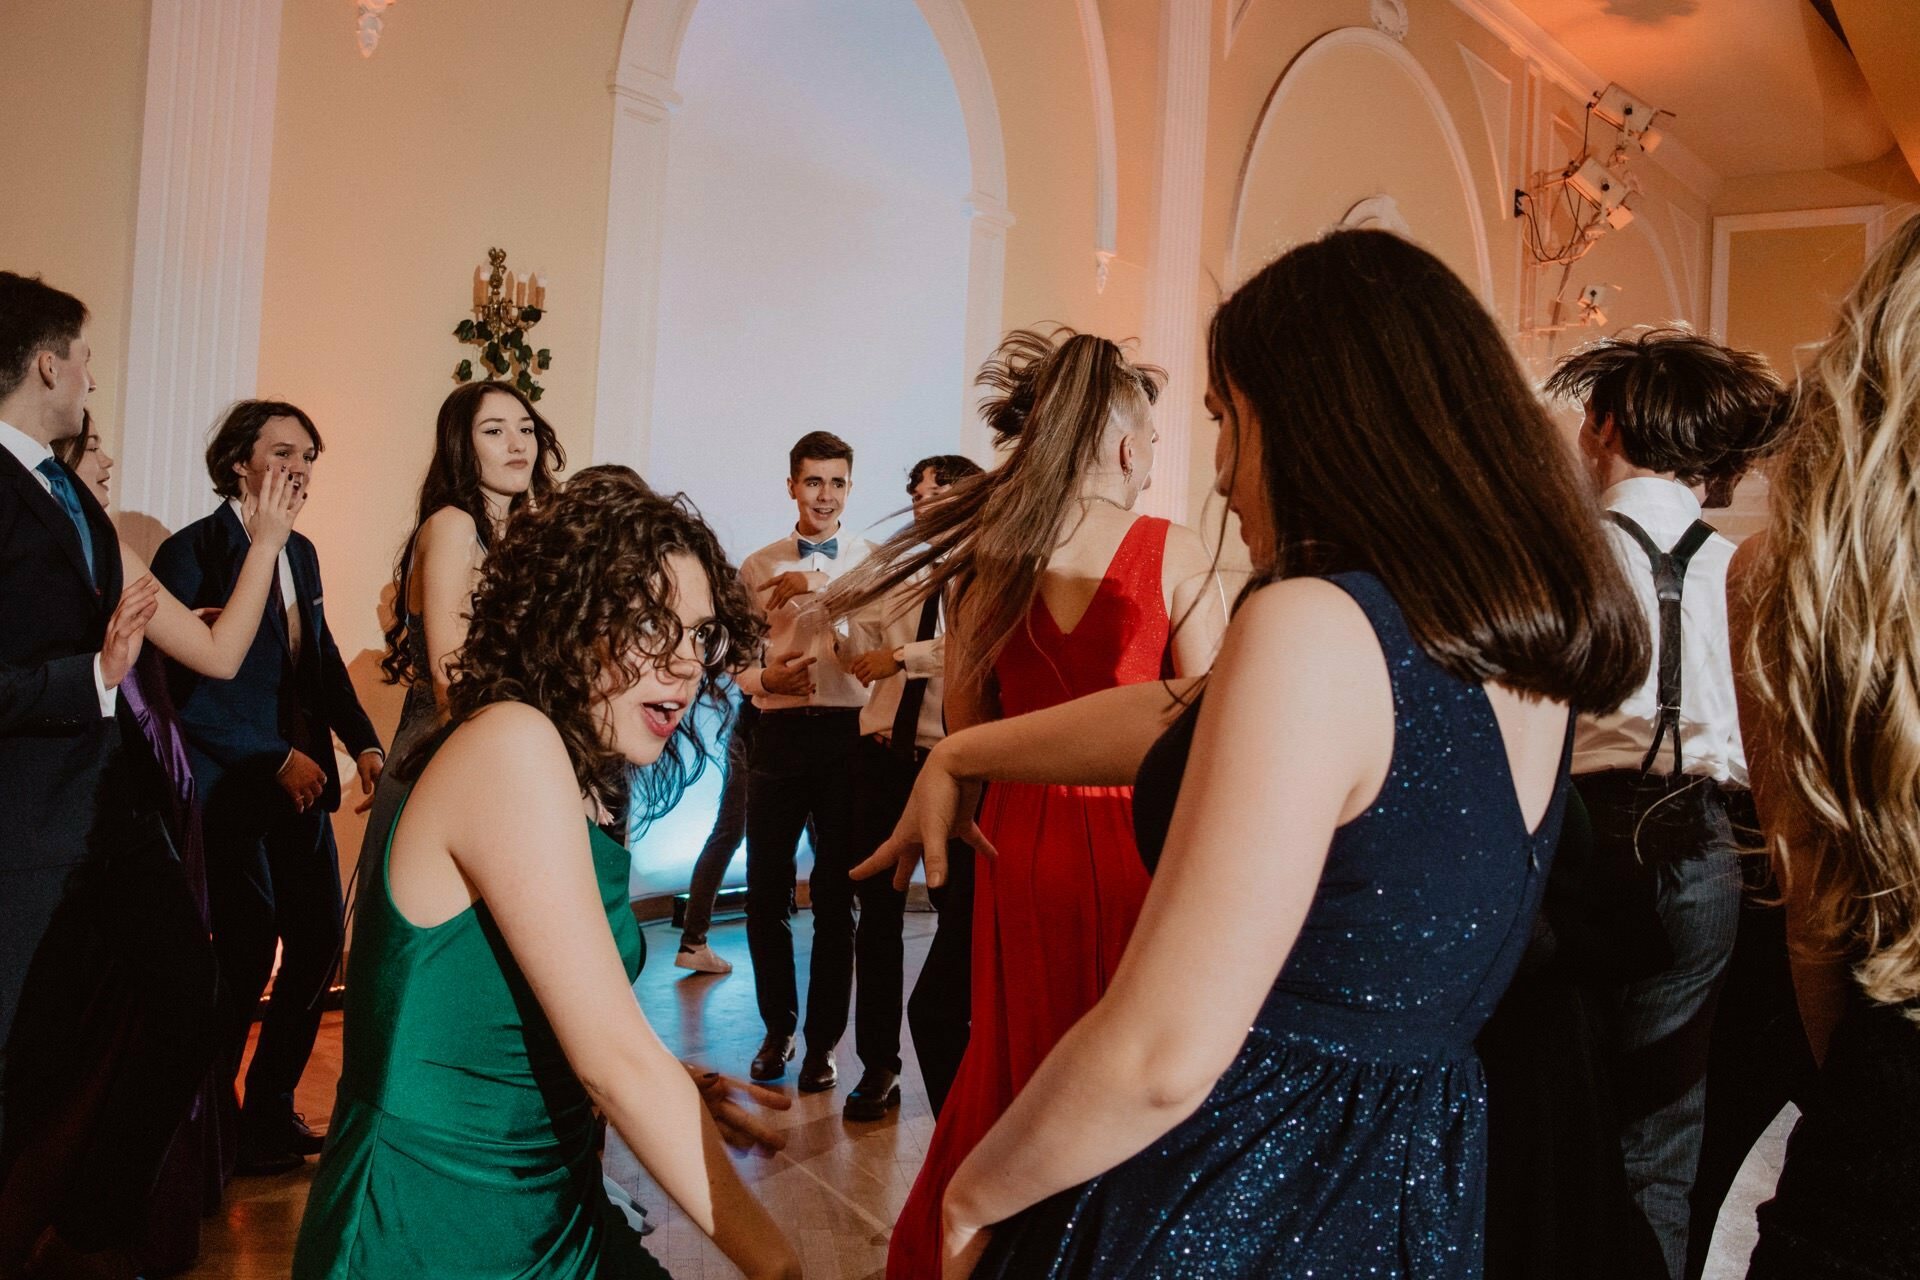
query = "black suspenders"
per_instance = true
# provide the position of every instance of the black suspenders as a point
(1669, 576)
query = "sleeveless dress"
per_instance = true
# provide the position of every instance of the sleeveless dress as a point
(462, 1144)
(1349, 1136)
(1053, 912)
(419, 715)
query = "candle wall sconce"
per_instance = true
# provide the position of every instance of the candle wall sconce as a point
(505, 307)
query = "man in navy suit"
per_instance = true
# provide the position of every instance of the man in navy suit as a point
(262, 754)
(70, 795)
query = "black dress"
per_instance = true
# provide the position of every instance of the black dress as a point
(1349, 1137)
(1848, 1201)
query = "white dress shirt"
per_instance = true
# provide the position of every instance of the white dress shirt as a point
(801, 623)
(890, 623)
(288, 599)
(1709, 718)
(31, 454)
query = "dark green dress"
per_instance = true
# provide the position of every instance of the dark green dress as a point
(462, 1144)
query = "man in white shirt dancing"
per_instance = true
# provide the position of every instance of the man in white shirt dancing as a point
(1664, 409)
(801, 768)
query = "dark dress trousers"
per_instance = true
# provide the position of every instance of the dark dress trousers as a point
(105, 977)
(272, 872)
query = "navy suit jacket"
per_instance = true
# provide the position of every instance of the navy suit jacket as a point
(64, 798)
(239, 731)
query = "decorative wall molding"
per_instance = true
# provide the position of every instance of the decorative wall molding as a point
(367, 26)
(1172, 338)
(1381, 211)
(1691, 239)
(1408, 65)
(200, 244)
(1389, 17)
(1677, 308)
(1528, 40)
(1236, 14)
(1106, 148)
(644, 100)
(1871, 217)
(1494, 92)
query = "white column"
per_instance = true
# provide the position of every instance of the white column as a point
(643, 103)
(1172, 337)
(200, 244)
(986, 272)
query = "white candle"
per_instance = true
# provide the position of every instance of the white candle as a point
(479, 287)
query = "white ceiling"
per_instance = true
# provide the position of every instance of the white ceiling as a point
(1756, 86)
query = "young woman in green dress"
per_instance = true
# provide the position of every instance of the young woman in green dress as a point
(489, 1009)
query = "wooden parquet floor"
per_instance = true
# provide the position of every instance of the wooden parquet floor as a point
(835, 1190)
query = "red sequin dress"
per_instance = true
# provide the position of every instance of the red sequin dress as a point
(1053, 912)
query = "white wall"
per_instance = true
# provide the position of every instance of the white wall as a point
(814, 256)
(813, 277)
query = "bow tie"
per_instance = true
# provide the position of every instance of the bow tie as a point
(830, 548)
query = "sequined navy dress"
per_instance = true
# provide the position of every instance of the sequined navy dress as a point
(1349, 1137)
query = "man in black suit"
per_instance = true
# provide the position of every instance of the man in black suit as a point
(68, 805)
(262, 753)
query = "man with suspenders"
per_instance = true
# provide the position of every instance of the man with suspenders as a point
(1664, 408)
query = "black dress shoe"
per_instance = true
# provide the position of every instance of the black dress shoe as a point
(771, 1062)
(301, 1140)
(279, 1131)
(818, 1074)
(258, 1162)
(877, 1093)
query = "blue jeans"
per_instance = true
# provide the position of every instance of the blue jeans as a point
(1685, 859)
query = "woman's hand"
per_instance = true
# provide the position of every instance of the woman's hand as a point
(270, 513)
(742, 1129)
(962, 1244)
(940, 809)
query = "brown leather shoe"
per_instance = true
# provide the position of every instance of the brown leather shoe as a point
(771, 1062)
(818, 1074)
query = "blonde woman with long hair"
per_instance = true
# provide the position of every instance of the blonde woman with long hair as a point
(1056, 589)
(1827, 623)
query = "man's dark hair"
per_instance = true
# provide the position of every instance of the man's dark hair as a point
(818, 446)
(34, 317)
(947, 469)
(1682, 403)
(234, 438)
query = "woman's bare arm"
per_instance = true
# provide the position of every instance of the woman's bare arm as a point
(447, 557)
(525, 851)
(218, 649)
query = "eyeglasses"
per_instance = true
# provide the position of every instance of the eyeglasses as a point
(711, 642)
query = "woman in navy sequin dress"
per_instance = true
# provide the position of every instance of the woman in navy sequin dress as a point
(1349, 826)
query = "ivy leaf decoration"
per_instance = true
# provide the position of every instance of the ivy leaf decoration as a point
(513, 337)
(542, 358)
(463, 330)
(536, 392)
(524, 382)
(530, 315)
(464, 371)
(495, 360)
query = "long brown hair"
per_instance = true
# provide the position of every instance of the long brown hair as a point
(1398, 436)
(986, 540)
(1834, 646)
(453, 480)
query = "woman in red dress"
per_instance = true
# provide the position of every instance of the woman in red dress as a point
(1056, 589)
